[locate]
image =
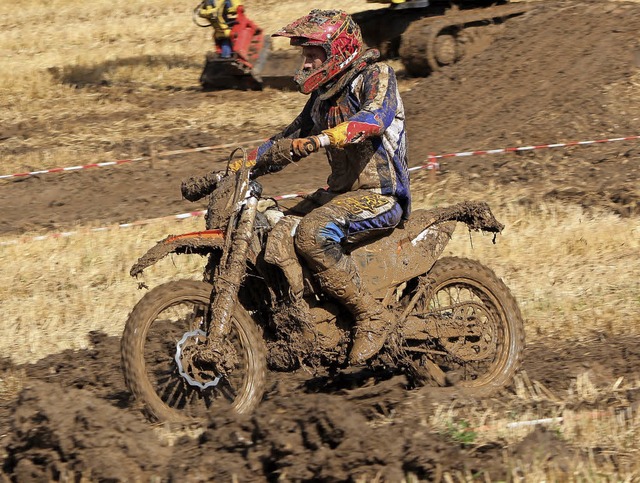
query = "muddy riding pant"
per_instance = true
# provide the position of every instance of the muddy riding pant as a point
(323, 233)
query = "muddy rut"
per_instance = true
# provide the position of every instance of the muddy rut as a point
(75, 417)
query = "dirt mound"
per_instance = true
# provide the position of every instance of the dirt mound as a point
(541, 83)
(59, 433)
(312, 437)
(538, 82)
(73, 420)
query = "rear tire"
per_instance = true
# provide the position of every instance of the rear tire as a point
(486, 359)
(148, 347)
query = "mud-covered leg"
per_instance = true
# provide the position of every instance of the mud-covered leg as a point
(320, 239)
(373, 322)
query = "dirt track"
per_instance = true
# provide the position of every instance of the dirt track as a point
(76, 416)
(537, 84)
(540, 82)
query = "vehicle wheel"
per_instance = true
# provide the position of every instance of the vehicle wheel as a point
(476, 332)
(158, 323)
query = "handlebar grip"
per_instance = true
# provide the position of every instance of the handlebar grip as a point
(197, 187)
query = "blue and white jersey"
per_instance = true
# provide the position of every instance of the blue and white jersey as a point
(365, 123)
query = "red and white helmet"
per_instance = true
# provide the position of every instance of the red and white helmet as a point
(334, 31)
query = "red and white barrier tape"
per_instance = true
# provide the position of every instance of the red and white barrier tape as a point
(531, 148)
(253, 141)
(65, 234)
(430, 165)
(124, 161)
(181, 216)
(178, 217)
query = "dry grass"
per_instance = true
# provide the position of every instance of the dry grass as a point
(586, 445)
(58, 290)
(572, 273)
(48, 49)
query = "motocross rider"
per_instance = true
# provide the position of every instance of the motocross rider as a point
(355, 111)
(222, 15)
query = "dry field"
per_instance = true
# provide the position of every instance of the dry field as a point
(50, 287)
(99, 81)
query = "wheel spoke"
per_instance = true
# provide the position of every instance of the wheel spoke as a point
(228, 391)
(164, 382)
(169, 392)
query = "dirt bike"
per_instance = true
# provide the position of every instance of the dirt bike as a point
(189, 345)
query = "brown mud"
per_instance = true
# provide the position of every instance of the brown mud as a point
(75, 417)
(539, 82)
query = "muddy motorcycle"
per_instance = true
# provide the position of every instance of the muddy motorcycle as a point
(191, 345)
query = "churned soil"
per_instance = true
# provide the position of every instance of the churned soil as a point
(75, 417)
(567, 71)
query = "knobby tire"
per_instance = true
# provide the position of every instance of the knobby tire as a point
(455, 271)
(142, 317)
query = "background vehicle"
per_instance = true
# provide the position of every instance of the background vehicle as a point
(189, 344)
(425, 34)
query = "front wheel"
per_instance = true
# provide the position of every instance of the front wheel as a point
(154, 337)
(470, 333)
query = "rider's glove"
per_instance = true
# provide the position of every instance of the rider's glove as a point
(350, 132)
(303, 147)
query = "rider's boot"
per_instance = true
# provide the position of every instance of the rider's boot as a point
(373, 321)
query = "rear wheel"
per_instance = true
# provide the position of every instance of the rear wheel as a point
(163, 327)
(475, 330)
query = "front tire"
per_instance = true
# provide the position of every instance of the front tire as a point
(465, 296)
(148, 349)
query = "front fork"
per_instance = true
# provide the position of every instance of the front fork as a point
(230, 274)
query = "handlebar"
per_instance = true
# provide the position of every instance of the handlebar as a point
(197, 187)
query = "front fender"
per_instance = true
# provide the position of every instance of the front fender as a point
(199, 242)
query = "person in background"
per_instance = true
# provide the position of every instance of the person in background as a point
(222, 15)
